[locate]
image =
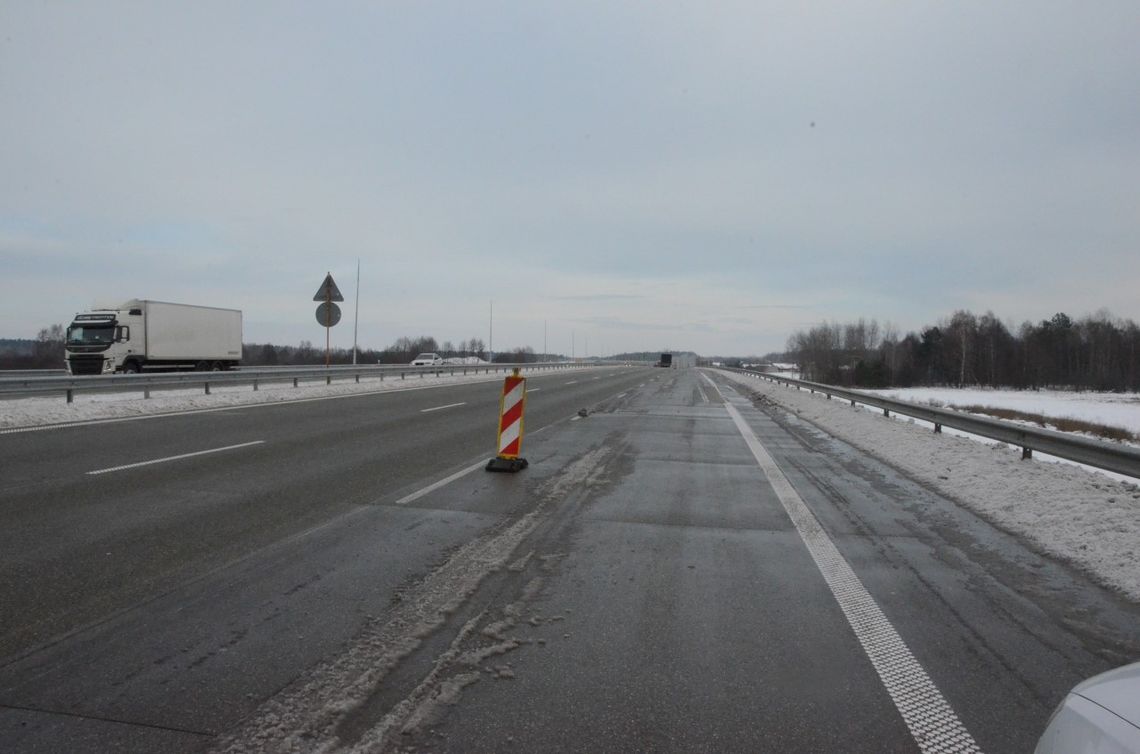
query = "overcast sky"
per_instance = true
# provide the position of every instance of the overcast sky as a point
(696, 176)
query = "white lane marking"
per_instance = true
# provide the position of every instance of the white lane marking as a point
(441, 408)
(700, 390)
(174, 458)
(597, 378)
(931, 721)
(436, 485)
(714, 386)
(571, 382)
(530, 390)
(238, 406)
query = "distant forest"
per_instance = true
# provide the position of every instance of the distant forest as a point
(1099, 352)
(46, 352)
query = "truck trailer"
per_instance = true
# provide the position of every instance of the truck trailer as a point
(666, 360)
(153, 335)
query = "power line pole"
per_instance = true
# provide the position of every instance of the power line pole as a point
(356, 317)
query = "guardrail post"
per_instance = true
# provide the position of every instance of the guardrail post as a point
(328, 379)
(358, 378)
(146, 392)
(829, 396)
(402, 375)
(255, 386)
(294, 382)
(852, 403)
(70, 396)
(937, 427)
(886, 412)
(1026, 453)
(207, 388)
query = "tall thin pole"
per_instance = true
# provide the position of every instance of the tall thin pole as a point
(328, 319)
(572, 353)
(544, 356)
(356, 317)
(491, 334)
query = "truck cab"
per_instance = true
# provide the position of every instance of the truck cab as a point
(101, 341)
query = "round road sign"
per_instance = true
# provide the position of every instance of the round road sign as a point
(328, 314)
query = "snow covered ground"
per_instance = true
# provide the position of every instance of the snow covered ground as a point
(1113, 409)
(1068, 511)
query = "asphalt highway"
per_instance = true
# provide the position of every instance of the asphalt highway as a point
(679, 570)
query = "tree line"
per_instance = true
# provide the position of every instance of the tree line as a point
(402, 351)
(46, 352)
(1098, 352)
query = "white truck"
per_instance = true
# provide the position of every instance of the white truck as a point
(141, 334)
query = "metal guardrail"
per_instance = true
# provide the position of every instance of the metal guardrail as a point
(31, 372)
(1123, 459)
(26, 385)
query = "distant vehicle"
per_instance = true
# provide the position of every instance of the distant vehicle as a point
(143, 334)
(427, 360)
(666, 360)
(1100, 715)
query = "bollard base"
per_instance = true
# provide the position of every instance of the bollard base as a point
(507, 464)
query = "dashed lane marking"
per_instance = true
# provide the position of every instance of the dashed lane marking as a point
(436, 485)
(173, 458)
(441, 408)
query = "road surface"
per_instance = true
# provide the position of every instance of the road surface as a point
(678, 570)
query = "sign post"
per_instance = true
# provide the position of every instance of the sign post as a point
(328, 313)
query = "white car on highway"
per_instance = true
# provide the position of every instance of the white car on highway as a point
(427, 360)
(1099, 716)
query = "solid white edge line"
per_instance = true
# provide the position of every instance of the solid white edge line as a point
(931, 721)
(174, 458)
(441, 408)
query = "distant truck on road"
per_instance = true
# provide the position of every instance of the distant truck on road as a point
(153, 335)
(666, 360)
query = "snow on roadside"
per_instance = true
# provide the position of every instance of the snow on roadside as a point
(1067, 511)
(1113, 409)
(37, 412)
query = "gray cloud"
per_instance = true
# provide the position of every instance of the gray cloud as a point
(656, 173)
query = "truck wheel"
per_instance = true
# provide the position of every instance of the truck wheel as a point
(202, 366)
(216, 366)
(131, 367)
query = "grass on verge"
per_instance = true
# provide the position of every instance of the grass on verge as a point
(1061, 423)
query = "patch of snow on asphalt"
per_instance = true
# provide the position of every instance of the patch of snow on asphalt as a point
(1067, 511)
